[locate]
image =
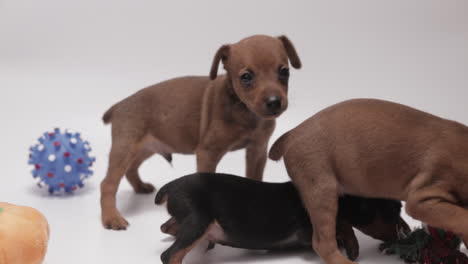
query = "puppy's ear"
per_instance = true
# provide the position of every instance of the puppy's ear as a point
(221, 54)
(291, 51)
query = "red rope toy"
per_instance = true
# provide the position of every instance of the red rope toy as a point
(428, 245)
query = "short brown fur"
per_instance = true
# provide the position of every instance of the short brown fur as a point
(375, 148)
(206, 116)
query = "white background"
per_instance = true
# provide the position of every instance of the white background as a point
(63, 63)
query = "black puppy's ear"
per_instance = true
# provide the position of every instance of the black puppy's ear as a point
(221, 54)
(291, 51)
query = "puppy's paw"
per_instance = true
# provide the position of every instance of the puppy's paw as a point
(114, 222)
(352, 252)
(170, 227)
(145, 188)
(338, 258)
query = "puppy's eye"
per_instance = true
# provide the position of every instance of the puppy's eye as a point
(246, 77)
(284, 72)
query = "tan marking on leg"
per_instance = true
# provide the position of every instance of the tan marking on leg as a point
(178, 257)
(170, 227)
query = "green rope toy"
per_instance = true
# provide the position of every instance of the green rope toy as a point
(427, 245)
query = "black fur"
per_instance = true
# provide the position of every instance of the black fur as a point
(259, 215)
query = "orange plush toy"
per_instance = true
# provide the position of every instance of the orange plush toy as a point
(24, 234)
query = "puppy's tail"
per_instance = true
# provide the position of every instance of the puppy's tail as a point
(161, 196)
(106, 118)
(278, 149)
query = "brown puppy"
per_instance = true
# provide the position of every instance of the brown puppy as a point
(208, 116)
(375, 148)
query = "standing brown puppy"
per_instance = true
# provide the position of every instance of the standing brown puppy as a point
(208, 116)
(375, 148)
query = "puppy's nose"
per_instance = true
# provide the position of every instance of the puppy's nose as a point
(273, 103)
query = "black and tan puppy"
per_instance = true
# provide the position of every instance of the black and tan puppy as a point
(203, 115)
(239, 212)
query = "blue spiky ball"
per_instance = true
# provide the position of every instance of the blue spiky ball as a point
(61, 161)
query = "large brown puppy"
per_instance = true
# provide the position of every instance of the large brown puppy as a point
(208, 116)
(379, 149)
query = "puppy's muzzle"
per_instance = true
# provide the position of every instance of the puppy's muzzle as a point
(273, 105)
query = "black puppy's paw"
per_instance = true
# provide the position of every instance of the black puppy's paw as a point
(210, 246)
(352, 253)
(351, 247)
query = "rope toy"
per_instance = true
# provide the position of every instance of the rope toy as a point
(427, 245)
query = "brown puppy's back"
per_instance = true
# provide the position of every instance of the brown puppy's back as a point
(156, 111)
(371, 141)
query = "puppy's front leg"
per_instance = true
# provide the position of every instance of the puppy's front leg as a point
(208, 158)
(214, 143)
(256, 156)
(256, 152)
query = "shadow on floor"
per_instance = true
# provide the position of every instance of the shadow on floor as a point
(43, 192)
(133, 204)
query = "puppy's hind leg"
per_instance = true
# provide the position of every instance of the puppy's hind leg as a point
(123, 153)
(437, 207)
(319, 192)
(170, 227)
(133, 176)
(191, 232)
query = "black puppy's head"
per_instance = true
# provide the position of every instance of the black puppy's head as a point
(378, 218)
